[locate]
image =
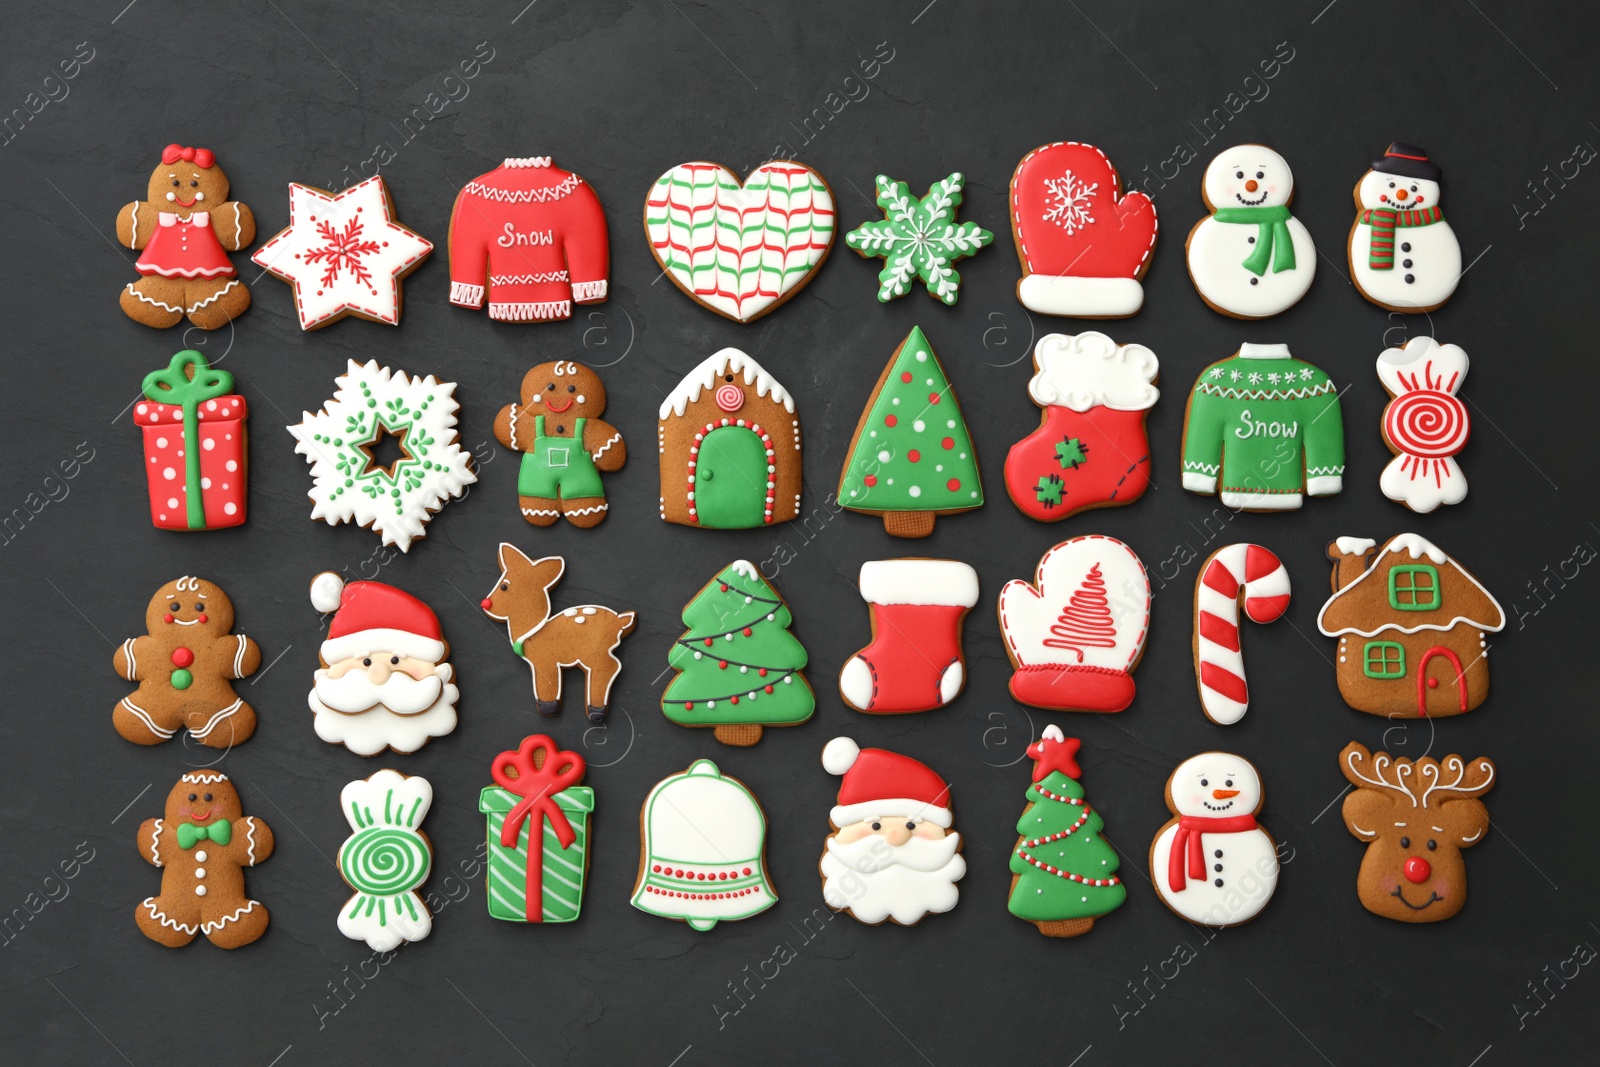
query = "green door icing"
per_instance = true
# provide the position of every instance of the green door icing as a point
(730, 485)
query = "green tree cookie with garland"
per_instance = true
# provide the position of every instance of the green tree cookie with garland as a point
(739, 666)
(919, 239)
(1063, 870)
(912, 457)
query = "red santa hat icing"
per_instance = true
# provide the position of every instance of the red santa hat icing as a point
(879, 782)
(373, 617)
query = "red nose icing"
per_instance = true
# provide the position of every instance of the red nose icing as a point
(1399, 194)
(1417, 870)
(486, 603)
(1250, 186)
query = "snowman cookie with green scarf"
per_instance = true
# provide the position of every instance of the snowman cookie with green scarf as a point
(1250, 258)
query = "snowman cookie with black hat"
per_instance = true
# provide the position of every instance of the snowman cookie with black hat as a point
(1403, 254)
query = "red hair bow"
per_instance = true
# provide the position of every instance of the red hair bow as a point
(200, 157)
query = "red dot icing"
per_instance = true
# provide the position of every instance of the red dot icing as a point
(890, 420)
(953, 484)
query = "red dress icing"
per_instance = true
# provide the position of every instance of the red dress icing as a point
(185, 248)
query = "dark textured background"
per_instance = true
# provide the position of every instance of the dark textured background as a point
(288, 90)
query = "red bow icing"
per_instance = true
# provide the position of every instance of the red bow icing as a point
(537, 783)
(200, 157)
(1187, 843)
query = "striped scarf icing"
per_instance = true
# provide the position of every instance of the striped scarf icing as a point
(1383, 220)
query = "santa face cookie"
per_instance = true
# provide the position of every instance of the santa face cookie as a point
(1425, 424)
(1403, 254)
(1212, 863)
(195, 446)
(556, 425)
(1232, 576)
(344, 254)
(892, 855)
(183, 231)
(185, 664)
(1250, 258)
(919, 240)
(202, 843)
(1415, 819)
(385, 681)
(915, 662)
(385, 860)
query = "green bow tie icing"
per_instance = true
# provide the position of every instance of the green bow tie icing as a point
(1273, 240)
(191, 834)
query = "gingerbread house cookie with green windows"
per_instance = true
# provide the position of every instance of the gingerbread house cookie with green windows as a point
(1413, 628)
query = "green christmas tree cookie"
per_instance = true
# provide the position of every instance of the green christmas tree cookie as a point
(1063, 869)
(739, 666)
(912, 458)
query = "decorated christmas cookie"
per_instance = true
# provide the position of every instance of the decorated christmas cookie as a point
(385, 860)
(919, 240)
(556, 425)
(1413, 628)
(1063, 870)
(1250, 258)
(1232, 575)
(892, 854)
(1415, 818)
(533, 238)
(194, 435)
(1403, 254)
(702, 856)
(738, 665)
(344, 254)
(1212, 863)
(1076, 634)
(536, 797)
(914, 662)
(729, 444)
(740, 249)
(584, 636)
(374, 406)
(185, 666)
(1083, 245)
(1091, 449)
(384, 681)
(1425, 425)
(183, 231)
(911, 459)
(1263, 431)
(202, 843)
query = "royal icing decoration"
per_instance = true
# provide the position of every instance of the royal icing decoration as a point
(1075, 635)
(702, 859)
(1091, 449)
(385, 860)
(740, 249)
(344, 254)
(919, 240)
(1403, 254)
(914, 662)
(556, 425)
(533, 238)
(1250, 258)
(1084, 246)
(1425, 425)
(397, 500)
(1063, 870)
(537, 798)
(1212, 863)
(1263, 431)
(1235, 574)
(194, 439)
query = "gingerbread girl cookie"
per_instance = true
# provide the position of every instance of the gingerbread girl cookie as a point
(185, 665)
(564, 444)
(202, 844)
(184, 230)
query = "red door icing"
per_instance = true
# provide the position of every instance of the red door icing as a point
(1425, 683)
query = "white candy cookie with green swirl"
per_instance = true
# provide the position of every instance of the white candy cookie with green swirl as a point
(385, 860)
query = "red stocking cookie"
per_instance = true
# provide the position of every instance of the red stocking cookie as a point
(914, 662)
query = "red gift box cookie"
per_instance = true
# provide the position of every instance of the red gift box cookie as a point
(195, 445)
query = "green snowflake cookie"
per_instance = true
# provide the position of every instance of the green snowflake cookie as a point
(918, 239)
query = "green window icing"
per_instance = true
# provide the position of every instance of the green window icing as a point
(1414, 587)
(1383, 659)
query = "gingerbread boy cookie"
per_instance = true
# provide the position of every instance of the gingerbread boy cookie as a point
(202, 843)
(564, 444)
(185, 666)
(184, 230)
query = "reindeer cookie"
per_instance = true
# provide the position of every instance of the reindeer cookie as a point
(185, 666)
(202, 844)
(586, 635)
(184, 230)
(564, 444)
(1415, 818)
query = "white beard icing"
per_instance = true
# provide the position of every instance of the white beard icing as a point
(877, 882)
(370, 731)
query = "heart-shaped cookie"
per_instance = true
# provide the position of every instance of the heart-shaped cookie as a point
(740, 249)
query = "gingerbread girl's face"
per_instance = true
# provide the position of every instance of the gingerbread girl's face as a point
(189, 606)
(183, 186)
(203, 797)
(563, 388)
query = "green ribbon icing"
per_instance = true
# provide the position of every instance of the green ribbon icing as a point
(174, 386)
(1273, 240)
(191, 834)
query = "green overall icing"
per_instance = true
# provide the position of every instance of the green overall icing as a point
(559, 467)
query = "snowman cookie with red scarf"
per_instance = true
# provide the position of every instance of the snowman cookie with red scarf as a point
(1213, 863)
